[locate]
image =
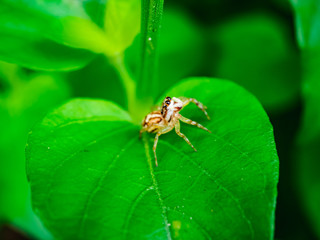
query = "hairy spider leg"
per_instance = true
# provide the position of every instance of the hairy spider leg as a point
(141, 131)
(155, 147)
(177, 128)
(203, 108)
(161, 131)
(189, 121)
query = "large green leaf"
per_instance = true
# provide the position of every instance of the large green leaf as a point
(65, 22)
(27, 38)
(93, 178)
(63, 35)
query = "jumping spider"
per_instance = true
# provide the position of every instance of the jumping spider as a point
(164, 120)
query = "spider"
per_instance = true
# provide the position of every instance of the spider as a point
(167, 118)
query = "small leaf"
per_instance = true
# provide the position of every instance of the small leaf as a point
(92, 178)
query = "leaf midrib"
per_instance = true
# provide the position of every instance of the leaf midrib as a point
(156, 188)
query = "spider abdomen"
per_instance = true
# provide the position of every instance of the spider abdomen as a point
(152, 121)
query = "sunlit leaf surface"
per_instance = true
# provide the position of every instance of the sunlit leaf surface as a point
(64, 35)
(122, 23)
(93, 178)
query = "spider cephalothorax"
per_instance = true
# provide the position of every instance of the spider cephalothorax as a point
(161, 122)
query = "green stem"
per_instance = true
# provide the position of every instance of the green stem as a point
(150, 25)
(140, 95)
(127, 81)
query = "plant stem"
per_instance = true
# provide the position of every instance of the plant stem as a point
(151, 16)
(140, 95)
(128, 83)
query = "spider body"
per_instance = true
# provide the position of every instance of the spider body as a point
(168, 117)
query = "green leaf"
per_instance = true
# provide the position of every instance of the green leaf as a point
(122, 23)
(262, 59)
(23, 42)
(92, 177)
(307, 18)
(63, 35)
(26, 99)
(30, 32)
(65, 22)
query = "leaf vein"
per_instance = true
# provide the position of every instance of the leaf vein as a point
(156, 188)
(217, 183)
(247, 156)
(102, 137)
(91, 119)
(133, 207)
(98, 184)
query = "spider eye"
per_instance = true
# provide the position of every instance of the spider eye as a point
(168, 98)
(167, 102)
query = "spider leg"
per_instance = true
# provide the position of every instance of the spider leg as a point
(160, 132)
(155, 147)
(189, 121)
(203, 108)
(142, 130)
(180, 134)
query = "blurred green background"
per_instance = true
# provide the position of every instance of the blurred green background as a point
(250, 42)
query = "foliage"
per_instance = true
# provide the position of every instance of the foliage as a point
(60, 29)
(90, 151)
(26, 98)
(259, 35)
(308, 34)
(90, 175)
